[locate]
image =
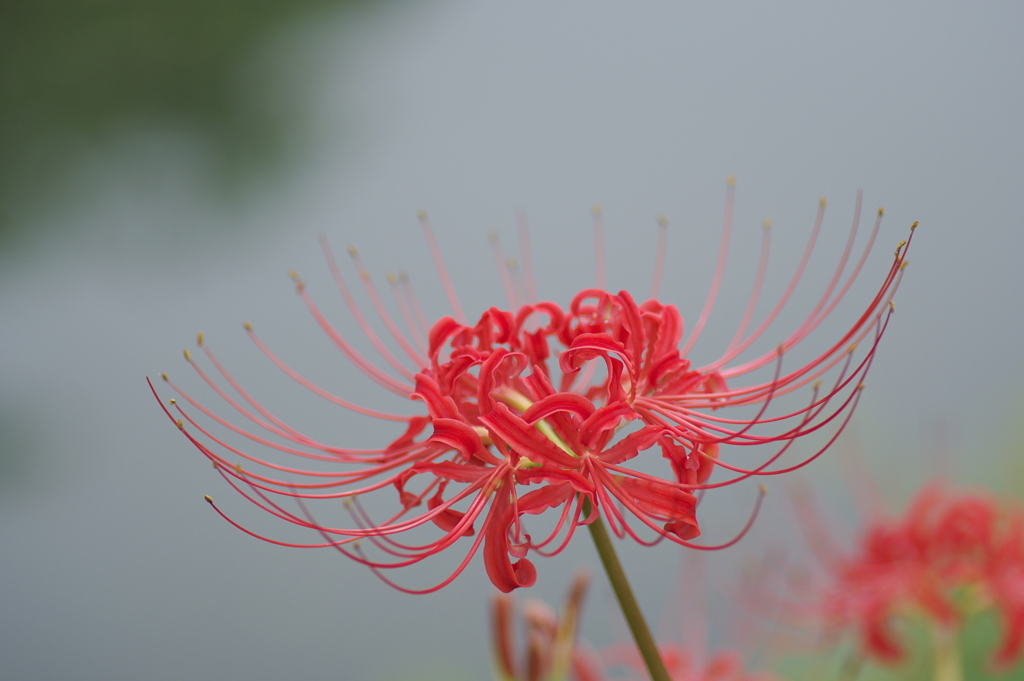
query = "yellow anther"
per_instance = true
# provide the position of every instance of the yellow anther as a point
(181, 426)
(208, 498)
(596, 210)
(365, 275)
(767, 223)
(913, 226)
(817, 385)
(821, 203)
(247, 326)
(892, 306)
(731, 181)
(763, 489)
(662, 221)
(492, 236)
(421, 214)
(403, 277)
(852, 349)
(215, 465)
(173, 402)
(238, 468)
(199, 339)
(347, 502)
(881, 212)
(781, 348)
(904, 265)
(353, 251)
(512, 262)
(164, 376)
(392, 279)
(188, 355)
(900, 245)
(860, 386)
(295, 276)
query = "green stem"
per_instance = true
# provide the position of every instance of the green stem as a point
(627, 601)
(948, 666)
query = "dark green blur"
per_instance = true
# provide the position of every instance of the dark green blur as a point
(73, 72)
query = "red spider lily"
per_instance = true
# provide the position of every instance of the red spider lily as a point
(949, 557)
(551, 653)
(540, 409)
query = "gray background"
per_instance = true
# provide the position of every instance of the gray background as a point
(112, 567)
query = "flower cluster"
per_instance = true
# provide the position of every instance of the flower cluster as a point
(544, 409)
(950, 556)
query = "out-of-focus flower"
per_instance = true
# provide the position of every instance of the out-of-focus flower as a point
(551, 652)
(682, 665)
(540, 409)
(950, 556)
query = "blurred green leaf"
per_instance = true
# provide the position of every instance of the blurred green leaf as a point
(74, 71)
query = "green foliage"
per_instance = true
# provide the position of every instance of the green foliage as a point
(72, 71)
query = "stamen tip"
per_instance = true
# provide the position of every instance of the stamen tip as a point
(188, 355)
(904, 265)
(821, 203)
(817, 385)
(353, 251)
(422, 215)
(860, 386)
(731, 181)
(767, 223)
(913, 226)
(492, 236)
(763, 489)
(403, 277)
(662, 221)
(208, 498)
(247, 326)
(181, 426)
(852, 349)
(164, 377)
(596, 210)
(392, 279)
(199, 339)
(172, 401)
(881, 212)
(892, 306)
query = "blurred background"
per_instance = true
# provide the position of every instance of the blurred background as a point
(163, 164)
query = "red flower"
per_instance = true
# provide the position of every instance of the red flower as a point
(950, 556)
(538, 409)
